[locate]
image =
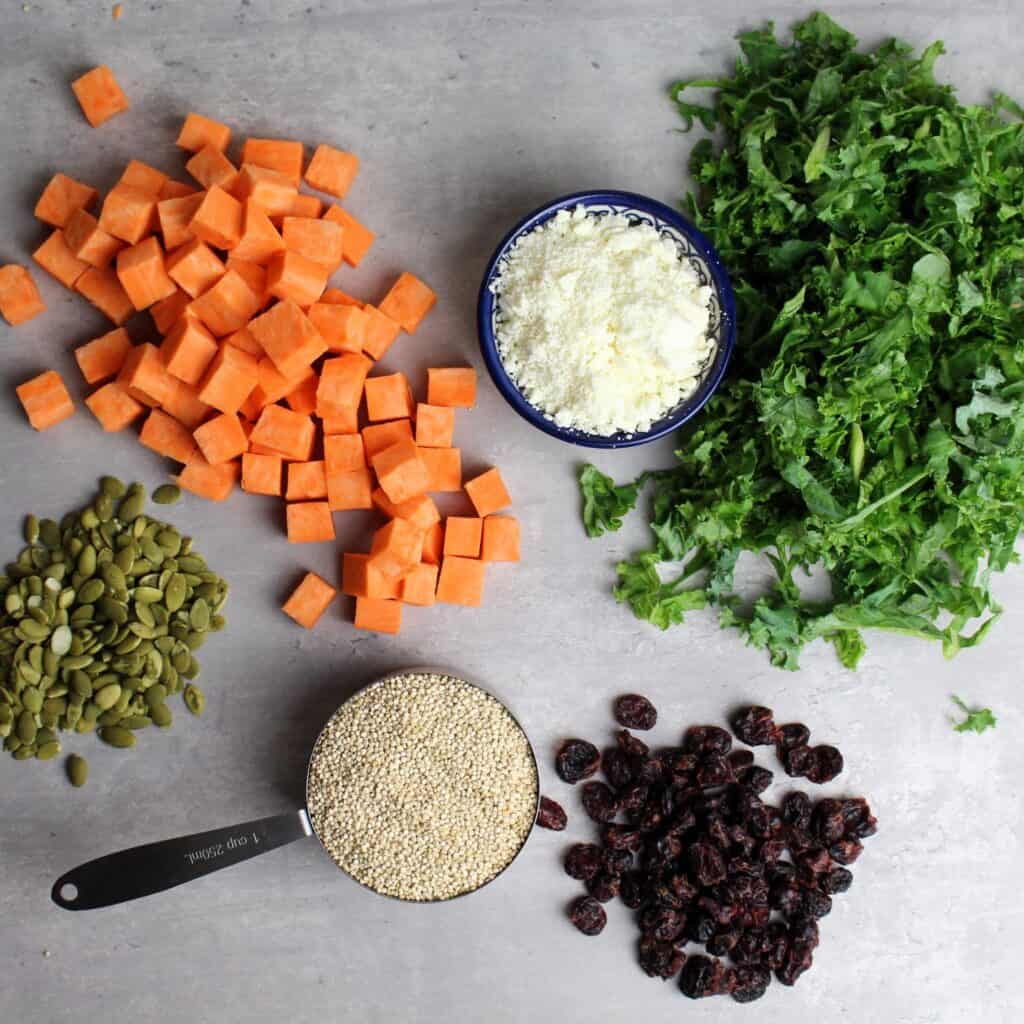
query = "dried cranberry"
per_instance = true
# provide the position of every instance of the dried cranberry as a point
(583, 861)
(757, 779)
(700, 927)
(701, 976)
(635, 712)
(662, 924)
(605, 887)
(650, 769)
(713, 770)
(718, 831)
(781, 872)
(796, 810)
(846, 851)
(683, 887)
(617, 862)
(721, 943)
(837, 881)
(660, 959)
(777, 945)
(746, 984)
(669, 847)
(634, 798)
(707, 739)
(618, 768)
(796, 760)
(811, 863)
(649, 818)
(751, 947)
(804, 932)
(800, 841)
(599, 802)
(827, 822)
(550, 815)
(826, 764)
(619, 837)
(792, 734)
(679, 762)
(797, 961)
(786, 897)
(706, 862)
(740, 759)
(630, 744)
(754, 726)
(633, 890)
(857, 818)
(815, 904)
(577, 760)
(588, 915)
(771, 850)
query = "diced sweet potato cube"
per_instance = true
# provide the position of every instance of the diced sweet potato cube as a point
(57, 259)
(104, 356)
(309, 521)
(435, 426)
(316, 240)
(99, 95)
(461, 581)
(140, 269)
(104, 291)
(20, 300)
(336, 297)
(188, 351)
(198, 132)
(343, 328)
(261, 474)
(215, 483)
(444, 467)
(128, 213)
(307, 481)
(114, 407)
(285, 432)
(408, 302)
(379, 436)
(140, 175)
(229, 379)
(344, 453)
(144, 375)
(342, 380)
(267, 189)
(169, 311)
(389, 397)
(291, 276)
(45, 400)
(500, 539)
(182, 402)
(488, 493)
(303, 398)
(304, 206)
(462, 536)
(88, 241)
(421, 511)
(401, 472)
(380, 333)
(253, 275)
(246, 341)
(166, 436)
(282, 155)
(194, 267)
(340, 421)
(211, 167)
(360, 579)
(309, 600)
(176, 189)
(288, 337)
(396, 547)
(221, 439)
(451, 386)
(378, 616)
(350, 490)
(61, 198)
(272, 386)
(218, 219)
(332, 170)
(260, 240)
(419, 585)
(175, 218)
(356, 237)
(433, 544)
(227, 306)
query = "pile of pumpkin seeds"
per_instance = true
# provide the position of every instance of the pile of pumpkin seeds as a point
(100, 618)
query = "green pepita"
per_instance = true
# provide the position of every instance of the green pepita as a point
(78, 770)
(167, 494)
(31, 529)
(112, 487)
(161, 715)
(195, 699)
(116, 736)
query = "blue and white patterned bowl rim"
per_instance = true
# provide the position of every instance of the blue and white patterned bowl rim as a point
(691, 244)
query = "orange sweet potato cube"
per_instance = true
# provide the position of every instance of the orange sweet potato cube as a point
(271, 386)
(57, 259)
(175, 218)
(215, 483)
(20, 300)
(462, 536)
(378, 616)
(270, 190)
(309, 600)
(169, 311)
(309, 521)
(128, 213)
(166, 436)
(332, 170)
(211, 167)
(261, 474)
(307, 481)
(221, 439)
(435, 426)
(45, 400)
(408, 302)
(141, 175)
(451, 386)
(401, 472)
(260, 240)
(282, 155)
(378, 436)
(198, 132)
(389, 397)
(488, 493)
(302, 206)
(114, 407)
(316, 240)
(88, 241)
(433, 544)
(188, 351)
(229, 379)
(218, 219)
(500, 539)
(419, 585)
(194, 267)
(343, 328)
(140, 269)
(176, 189)
(228, 306)
(61, 198)
(340, 421)
(336, 297)
(421, 511)
(341, 381)
(291, 276)
(244, 340)
(303, 398)
(99, 95)
(461, 581)
(380, 332)
(288, 337)
(344, 453)
(356, 237)
(253, 275)
(104, 356)
(444, 467)
(182, 402)
(396, 547)
(350, 490)
(285, 433)
(144, 375)
(104, 291)
(360, 579)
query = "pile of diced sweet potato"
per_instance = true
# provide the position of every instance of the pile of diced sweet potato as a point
(264, 371)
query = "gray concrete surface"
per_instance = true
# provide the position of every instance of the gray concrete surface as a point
(465, 116)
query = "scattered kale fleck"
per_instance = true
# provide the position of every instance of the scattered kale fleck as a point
(977, 720)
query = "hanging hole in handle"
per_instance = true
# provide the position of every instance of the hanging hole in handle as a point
(65, 894)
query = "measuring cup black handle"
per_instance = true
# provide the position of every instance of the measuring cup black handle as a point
(144, 870)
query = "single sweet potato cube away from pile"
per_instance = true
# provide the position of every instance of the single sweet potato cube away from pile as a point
(307, 481)
(145, 376)
(309, 522)
(20, 300)
(450, 386)
(285, 433)
(198, 132)
(462, 536)
(174, 217)
(401, 473)
(188, 351)
(104, 356)
(421, 511)
(340, 421)
(332, 171)
(141, 272)
(341, 381)
(259, 240)
(378, 436)
(194, 267)
(103, 289)
(310, 599)
(61, 198)
(183, 403)
(488, 493)
(129, 213)
(228, 306)
(261, 474)
(285, 156)
(210, 167)
(419, 585)
(396, 547)
(218, 219)
(88, 241)
(57, 259)
(500, 539)
(389, 397)
(344, 453)
(444, 469)
(433, 544)
(343, 328)
(435, 426)
(378, 616)
(408, 302)
(142, 176)
(99, 95)
(221, 439)
(291, 276)
(215, 483)
(289, 338)
(316, 240)
(113, 407)
(350, 490)
(380, 332)
(166, 436)
(45, 400)
(229, 380)
(356, 237)
(461, 581)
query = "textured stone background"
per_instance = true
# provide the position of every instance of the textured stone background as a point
(466, 116)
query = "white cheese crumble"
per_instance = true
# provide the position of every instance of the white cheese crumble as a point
(600, 325)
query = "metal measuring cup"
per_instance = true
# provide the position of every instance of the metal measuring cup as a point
(154, 867)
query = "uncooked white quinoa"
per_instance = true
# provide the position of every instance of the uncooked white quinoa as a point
(422, 787)
(600, 325)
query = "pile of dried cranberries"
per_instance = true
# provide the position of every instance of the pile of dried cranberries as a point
(687, 843)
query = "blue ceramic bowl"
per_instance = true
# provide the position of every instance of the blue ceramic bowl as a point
(692, 245)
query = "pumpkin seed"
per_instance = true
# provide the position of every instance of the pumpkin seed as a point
(161, 715)
(195, 699)
(49, 533)
(107, 696)
(60, 641)
(104, 507)
(23, 753)
(31, 629)
(176, 592)
(78, 770)
(31, 529)
(116, 736)
(166, 494)
(132, 506)
(112, 487)
(32, 700)
(26, 727)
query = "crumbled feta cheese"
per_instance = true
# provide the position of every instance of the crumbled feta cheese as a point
(599, 323)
